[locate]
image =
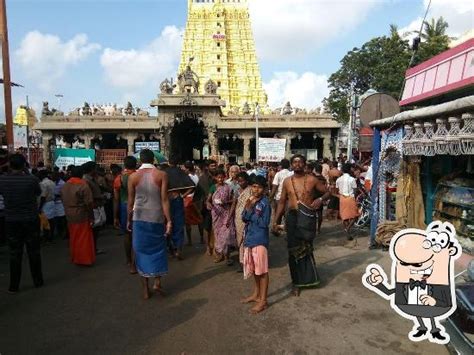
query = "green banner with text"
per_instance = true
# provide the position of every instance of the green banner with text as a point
(65, 157)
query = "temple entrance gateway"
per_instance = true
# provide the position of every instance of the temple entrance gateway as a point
(187, 138)
(308, 144)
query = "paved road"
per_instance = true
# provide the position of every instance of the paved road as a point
(99, 310)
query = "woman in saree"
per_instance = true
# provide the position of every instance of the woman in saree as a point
(220, 202)
(244, 193)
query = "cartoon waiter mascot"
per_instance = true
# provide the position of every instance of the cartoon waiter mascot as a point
(422, 287)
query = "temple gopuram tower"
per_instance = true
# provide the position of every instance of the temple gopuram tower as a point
(219, 45)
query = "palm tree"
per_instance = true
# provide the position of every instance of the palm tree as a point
(434, 28)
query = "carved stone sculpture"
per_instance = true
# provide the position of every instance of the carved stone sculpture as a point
(128, 111)
(75, 112)
(166, 87)
(86, 110)
(142, 113)
(98, 111)
(116, 111)
(287, 110)
(188, 101)
(246, 109)
(188, 80)
(211, 87)
(46, 111)
(316, 111)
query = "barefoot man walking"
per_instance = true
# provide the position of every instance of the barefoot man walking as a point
(301, 222)
(148, 211)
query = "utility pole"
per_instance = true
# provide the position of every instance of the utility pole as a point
(352, 123)
(257, 109)
(7, 88)
(28, 129)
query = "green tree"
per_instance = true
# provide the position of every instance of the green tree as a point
(434, 28)
(379, 64)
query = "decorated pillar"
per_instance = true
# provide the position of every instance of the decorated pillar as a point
(246, 138)
(87, 140)
(131, 143)
(289, 136)
(46, 148)
(213, 141)
(326, 136)
(164, 136)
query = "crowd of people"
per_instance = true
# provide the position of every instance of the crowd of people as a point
(234, 208)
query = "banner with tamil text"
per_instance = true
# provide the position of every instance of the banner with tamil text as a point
(65, 157)
(271, 149)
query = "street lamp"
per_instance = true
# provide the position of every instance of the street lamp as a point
(257, 111)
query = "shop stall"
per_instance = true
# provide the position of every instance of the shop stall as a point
(430, 161)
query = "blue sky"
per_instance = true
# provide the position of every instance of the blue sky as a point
(111, 51)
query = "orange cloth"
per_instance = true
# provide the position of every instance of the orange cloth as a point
(117, 183)
(191, 213)
(118, 179)
(44, 223)
(348, 207)
(81, 243)
(367, 185)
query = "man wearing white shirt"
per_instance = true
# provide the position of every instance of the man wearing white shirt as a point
(348, 210)
(278, 180)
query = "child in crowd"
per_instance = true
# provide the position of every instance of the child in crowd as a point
(256, 215)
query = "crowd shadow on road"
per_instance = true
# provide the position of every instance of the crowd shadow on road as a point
(330, 269)
(170, 318)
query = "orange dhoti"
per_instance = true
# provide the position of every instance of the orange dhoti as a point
(192, 215)
(348, 207)
(81, 243)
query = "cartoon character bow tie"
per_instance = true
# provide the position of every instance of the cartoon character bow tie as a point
(414, 284)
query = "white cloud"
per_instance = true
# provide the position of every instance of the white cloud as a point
(135, 68)
(305, 91)
(458, 14)
(45, 58)
(285, 28)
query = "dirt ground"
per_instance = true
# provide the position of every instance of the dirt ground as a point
(99, 310)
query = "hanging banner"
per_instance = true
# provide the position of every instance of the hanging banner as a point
(65, 157)
(271, 149)
(20, 134)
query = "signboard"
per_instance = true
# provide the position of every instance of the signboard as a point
(205, 151)
(219, 37)
(20, 136)
(312, 154)
(271, 149)
(64, 157)
(139, 146)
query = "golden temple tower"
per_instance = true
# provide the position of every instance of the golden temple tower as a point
(219, 45)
